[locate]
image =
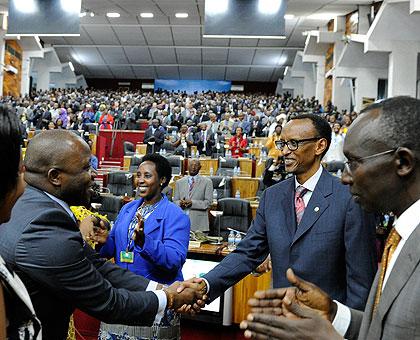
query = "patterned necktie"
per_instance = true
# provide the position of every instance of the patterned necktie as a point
(390, 246)
(191, 186)
(299, 203)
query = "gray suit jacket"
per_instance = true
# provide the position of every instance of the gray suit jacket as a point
(201, 197)
(398, 313)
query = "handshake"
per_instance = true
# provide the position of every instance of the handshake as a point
(187, 297)
(303, 311)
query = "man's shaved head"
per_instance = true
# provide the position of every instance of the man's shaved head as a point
(58, 162)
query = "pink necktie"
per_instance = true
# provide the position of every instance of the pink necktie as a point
(299, 203)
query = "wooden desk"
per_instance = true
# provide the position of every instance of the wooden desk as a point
(246, 166)
(243, 290)
(127, 162)
(247, 186)
(141, 149)
(256, 151)
(206, 164)
(259, 168)
(258, 140)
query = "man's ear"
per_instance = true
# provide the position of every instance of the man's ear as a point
(54, 177)
(405, 161)
(321, 146)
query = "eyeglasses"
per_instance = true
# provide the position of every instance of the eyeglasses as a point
(293, 144)
(352, 164)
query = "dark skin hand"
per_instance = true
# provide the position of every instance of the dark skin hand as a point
(94, 229)
(188, 296)
(184, 203)
(303, 293)
(307, 324)
(138, 235)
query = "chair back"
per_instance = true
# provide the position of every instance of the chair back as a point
(129, 149)
(176, 164)
(120, 183)
(226, 167)
(236, 214)
(134, 164)
(222, 189)
(111, 206)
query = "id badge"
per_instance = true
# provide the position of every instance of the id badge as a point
(127, 256)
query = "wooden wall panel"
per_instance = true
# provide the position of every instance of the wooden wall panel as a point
(13, 57)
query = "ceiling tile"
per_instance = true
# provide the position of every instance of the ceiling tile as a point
(102, 35)
(100, 71)
(138, 55)
(158, 35)
(215, 42)
(260, 74)
(267, 57)
(186, 35)
(189, 55)
(213, 73)
(244, 42)
(113, 55)
(237, 73)
(143, 72)
(130, 35)
(190, 72)
(87, 55)
(240, 56)
(215, 56)
(163, 55)
(167, 72)
(123, 72)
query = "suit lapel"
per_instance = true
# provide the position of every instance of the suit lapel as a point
(287, 205)
(403, 268)
(316, 206)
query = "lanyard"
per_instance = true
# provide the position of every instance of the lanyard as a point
(145, 211)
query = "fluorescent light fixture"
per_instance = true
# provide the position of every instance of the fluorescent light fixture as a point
(71, 6)
(244, 36)
(214, 7)
(322, 16)
(181, 15)
(282, 60)
(82, 14)
(4, 22)
(71, 66)
(286, 70)
(92, 14)
(113, 15)
(289, 16)
(147, 15)
(26, 6)
(269, 6)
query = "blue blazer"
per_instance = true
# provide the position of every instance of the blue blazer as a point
(333, 246)
(165, 248)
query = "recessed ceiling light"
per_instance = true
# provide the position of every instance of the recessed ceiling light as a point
(181, 15)
(71, 66)
(113, 15)
(92, 14)
(289, 16)
(147, 15)
(82, 14)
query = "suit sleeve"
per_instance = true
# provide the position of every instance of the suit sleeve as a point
(63, 268)
(177, 196)
(249, 254)
(204, 204)
(355, 323)
(169, 254)
(360, 255)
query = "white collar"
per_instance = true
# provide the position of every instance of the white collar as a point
(311, 183)
(63, 204)
(408, 221)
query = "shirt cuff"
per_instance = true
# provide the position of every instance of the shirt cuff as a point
(161, 295)
(207, 285)
(342, 318)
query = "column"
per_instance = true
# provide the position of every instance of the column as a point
(402, 71)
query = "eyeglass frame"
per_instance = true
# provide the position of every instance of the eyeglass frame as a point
(347, 163)
(297, 141)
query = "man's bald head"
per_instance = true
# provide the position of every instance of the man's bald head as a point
(58, 162)
(51, 149)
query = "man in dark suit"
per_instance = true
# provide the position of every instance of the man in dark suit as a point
(383, 174)
(154, 136)
(204, 140)
(308, 222)
(42, 243)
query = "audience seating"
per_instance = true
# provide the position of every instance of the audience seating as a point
(170, 149)
(129, 149)
(226, 167)
(236, 214)
(176, 164)
(224, 190)
(120, 183)
(110, 206)
(134, 164)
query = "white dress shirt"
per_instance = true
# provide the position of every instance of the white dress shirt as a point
(160, 294)
(404, 225)
(310, 184)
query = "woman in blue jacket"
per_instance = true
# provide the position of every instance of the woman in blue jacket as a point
(150, 238)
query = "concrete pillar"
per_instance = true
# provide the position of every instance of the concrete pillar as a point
(414, 6)
(320, 80)
(366, 87)
(2, 51)
(341, 92)
(364, 11)
(402, 71)
(26, 72)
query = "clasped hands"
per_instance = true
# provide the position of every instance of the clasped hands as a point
(187, 297)
(94, 229)
(185, 204)
(303, 311)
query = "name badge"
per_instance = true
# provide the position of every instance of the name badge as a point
(127, 256)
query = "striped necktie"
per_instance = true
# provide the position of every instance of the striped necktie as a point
(299, 203)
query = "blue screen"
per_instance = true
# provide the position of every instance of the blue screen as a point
(191, 86)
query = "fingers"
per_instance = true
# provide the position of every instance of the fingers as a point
(297, 281)
(261, 326)
(278, 293)
(300, 311)
(264, 303)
